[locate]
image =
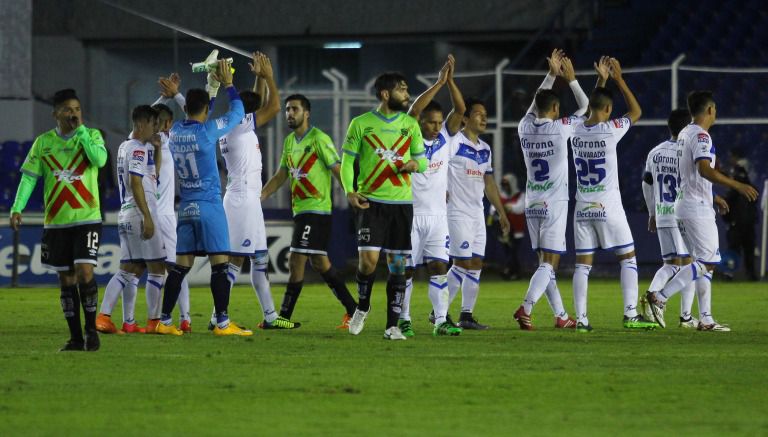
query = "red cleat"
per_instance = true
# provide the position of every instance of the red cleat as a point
(152, 326)
(132, 328)
(186, 326)
(104, 324)
(568, 323)
(523, 319)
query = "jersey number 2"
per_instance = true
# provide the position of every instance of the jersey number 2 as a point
(542, 174)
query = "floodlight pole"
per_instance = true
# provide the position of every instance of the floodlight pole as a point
(498, 140)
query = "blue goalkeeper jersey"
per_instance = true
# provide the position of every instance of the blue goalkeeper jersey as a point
(193, 146)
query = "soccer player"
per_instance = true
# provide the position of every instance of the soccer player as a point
(429, 235)
(470, 174)
(389, 146)
(694, 211)
(660, 185)
(309, 159)
(599, 218)
(544, 141)
(140, 243)
(68, 159)
(200, 230)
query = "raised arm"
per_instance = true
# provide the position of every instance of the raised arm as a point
(568, 73)
(269, 110)
(453, 122)
(427, 96)
(219, 127)
(633, 107)
(603, 70)
(554, 62)
(93, 145)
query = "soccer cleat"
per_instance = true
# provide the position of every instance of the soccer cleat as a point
(446, 329)
(73, 346)
(406, 327)
(714, 326)
(393, 333)
(279, 323)
(345, 322)
(151, 326)
(357, 323)
(467, 321)
(656, 307)
(186, 326)
(690, 323)
(447, 319)
(432, 317)
(639, 322)
(132, 328)
(92, 342)
(164, 329)
(232, 329)
(523, 319)
(104, 324)
(568, 323)
(580, 327)
(212, 326)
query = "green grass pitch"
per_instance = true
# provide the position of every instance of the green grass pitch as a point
(319, 381)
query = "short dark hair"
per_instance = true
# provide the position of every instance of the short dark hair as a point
(62, 96)
(470, 102)
(251, 101)
(545, 99)
(432, 106)
(387, 82)
(197, 101)
(162, 107)
(677, 120)
(143, 113)
(600, 97)
(698, 101)
(302, 99)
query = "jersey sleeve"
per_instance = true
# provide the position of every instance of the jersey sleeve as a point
(33, 165)
(284, 155)
(417, 146)
(703, 148)
(619, 127)
(489, 170)
(566, 124)
(137, 160)
(218, 127)
(352, 141)
(327, 152)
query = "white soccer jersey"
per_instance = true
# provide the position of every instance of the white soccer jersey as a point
(594, 157)
(467, 166)
(545, 150)
(242, 155)
(429, 188)
(132, 159)
(661, 165)
(695, 197)
(166, 186)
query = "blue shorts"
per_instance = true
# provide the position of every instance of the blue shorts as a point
(202, 229)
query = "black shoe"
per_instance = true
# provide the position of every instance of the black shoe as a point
(467, 321)
(92, 342)
(72, 346)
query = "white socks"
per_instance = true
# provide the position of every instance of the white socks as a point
(555, 301)
(580, 283)
(682, 278)
(470, 288)
(405, 311)
(455, 278)
(704, 292)
(686, 300)
(129, 300)
(629, 286)
(183, 301)
(154, 291)
(662, 276)
(260, 285)
(538, 285)
(438, 295)
(114, 289)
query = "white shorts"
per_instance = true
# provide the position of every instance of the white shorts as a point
(166, 226)
(701, 238)
(245, 220)
(429, 239)
(467, 238)
(133, 248)
(546, 225)
(671, 243)
(597, 227)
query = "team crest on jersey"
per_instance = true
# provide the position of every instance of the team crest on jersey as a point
(592, 211)
(404, 132)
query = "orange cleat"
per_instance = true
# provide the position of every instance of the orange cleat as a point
(186, 326)
(345, 322)
(152, 326)
(132, 328)
(104, 324)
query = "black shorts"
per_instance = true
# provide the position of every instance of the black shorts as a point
(62, 248)
(311, 233)
(385, 226)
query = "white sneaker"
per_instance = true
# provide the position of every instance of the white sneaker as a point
(357, 322)
(393, 333)
(657, 309)
(714, 326)
(691, 323)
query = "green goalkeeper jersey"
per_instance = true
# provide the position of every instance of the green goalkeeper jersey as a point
(70, 179)
(309, 161)
(383, 145)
